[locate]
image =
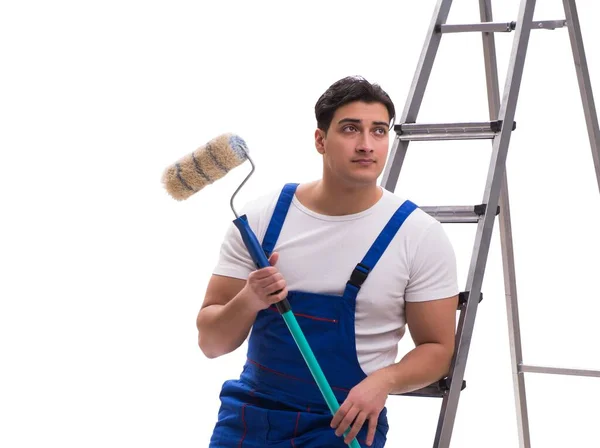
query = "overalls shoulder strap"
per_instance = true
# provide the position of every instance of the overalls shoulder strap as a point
(362, 269)
(278, 218)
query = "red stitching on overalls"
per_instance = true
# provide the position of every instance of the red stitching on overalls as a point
(252, 391)
(245, 426)
(295, 430)
(323, 319)
(260, 366)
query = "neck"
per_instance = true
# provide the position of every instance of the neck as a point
(329, 198)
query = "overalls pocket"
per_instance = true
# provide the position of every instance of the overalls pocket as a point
(299, 429)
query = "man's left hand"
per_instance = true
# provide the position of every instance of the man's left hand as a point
(365, 401)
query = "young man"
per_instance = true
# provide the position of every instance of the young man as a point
(357, 264)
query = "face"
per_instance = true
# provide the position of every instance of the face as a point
(355, 146)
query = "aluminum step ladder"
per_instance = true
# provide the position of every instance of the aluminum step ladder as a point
(495, 198)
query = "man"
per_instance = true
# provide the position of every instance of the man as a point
(357, 264)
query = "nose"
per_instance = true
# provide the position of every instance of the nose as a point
(365, 143)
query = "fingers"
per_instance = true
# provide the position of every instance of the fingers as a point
(272, 279)
(371, 432)
(267, 284)
(282, 294)
(351, 418)
(356, 426)
(263, 273)
(275, 288)
(274, 258)
(269, 270)
(340, 414)
(345, 418)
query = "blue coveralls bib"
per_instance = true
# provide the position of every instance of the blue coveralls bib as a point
(276, 402)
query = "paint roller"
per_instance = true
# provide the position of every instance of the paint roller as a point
(204, 166)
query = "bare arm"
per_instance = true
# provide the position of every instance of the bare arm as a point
(230, 307)
(432, 326)
(223, 321)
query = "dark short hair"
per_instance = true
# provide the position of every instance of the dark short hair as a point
(348, 90)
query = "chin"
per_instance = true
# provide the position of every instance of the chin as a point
(366, 177)
(363, 180)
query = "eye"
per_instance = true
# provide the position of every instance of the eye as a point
(380, 131)
(349, 128)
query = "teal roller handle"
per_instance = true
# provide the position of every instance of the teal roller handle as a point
(313, 366)
(259, 257)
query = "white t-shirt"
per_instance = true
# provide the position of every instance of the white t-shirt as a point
(317, 253)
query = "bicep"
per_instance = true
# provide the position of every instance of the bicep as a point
(221, 290)
(432, 321)
(432, 272)
(233, 266)
(431, 296)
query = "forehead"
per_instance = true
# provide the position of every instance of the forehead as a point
(366, 112)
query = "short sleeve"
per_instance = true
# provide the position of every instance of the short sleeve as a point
(433, 267)
(234, 259)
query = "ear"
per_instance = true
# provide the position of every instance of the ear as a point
(320, 141)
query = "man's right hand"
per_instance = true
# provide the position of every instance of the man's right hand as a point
(231, 304)
(265, 286)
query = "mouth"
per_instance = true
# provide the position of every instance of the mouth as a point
(364, 161)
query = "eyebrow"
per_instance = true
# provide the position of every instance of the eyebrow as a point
(356, 120)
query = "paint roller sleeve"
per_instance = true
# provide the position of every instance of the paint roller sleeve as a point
(205, 165)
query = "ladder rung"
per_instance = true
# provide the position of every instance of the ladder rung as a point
(449, 131)
(488, 27)
(501, 27)
(463, 298)
(435, 390)
(457, 213)
(548, 24)
(559, 371)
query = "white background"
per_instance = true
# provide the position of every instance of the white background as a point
(102, 273)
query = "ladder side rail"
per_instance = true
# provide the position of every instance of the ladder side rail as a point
(416, 92)
(485, 226)
(585, 85)
(506, 242)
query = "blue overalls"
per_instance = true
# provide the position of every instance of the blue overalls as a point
(276, 402)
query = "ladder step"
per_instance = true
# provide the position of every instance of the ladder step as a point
(503, 27)
(449, 131)
(488, 27)
(456, 214)
(435, 390)
(463, 298)
(559, 371)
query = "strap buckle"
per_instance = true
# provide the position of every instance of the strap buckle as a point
(359, 275)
